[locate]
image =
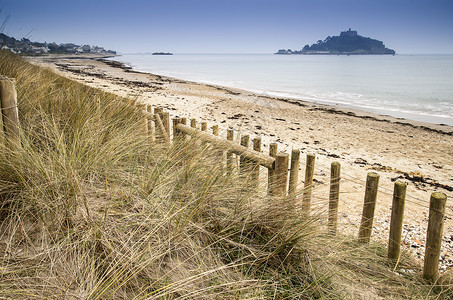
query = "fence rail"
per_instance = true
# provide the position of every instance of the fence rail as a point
(263, 160)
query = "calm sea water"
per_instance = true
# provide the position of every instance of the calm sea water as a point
(416, 87)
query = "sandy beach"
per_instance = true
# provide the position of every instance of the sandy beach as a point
(418, 153)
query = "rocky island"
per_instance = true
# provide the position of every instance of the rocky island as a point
(347, 43)
(162, 53)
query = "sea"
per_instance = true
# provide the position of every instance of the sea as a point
(414, 87)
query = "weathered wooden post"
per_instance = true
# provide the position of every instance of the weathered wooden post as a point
(183, 135)
(366, 225)
(10, 114)
(396, 221)
(280, 175)
(244, 163)
(166, 122)
(294, 172)
(151, 127)
(193, 123)
(165, 135)
(434, 236)
(215, 130)
(229, 155)
(204, 126)
(176, 133)
(218, 152)
(270, 172)
(2, 128)
(158, 129)
(308, 184)
(334, 196)
(158, 110)
(175, 130)
(256, 166)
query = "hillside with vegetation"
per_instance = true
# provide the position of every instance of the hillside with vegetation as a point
(347, 43)
(92, 209)
(25, 46)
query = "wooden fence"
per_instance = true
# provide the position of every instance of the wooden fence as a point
(282, 174)
(283, 179)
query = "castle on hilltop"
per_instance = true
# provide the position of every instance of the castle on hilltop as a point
(350, 33)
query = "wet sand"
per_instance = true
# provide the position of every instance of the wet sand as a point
(418, 153)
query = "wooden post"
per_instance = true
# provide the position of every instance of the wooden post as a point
(270, 172)
(434, 236)
(158, 129)
(151, 127)
(396, 221)
(10, 114)
(165, 117)
(176, 133)
(230, 137)
(215, 130)
(366, 225)
(256, 167)
(308, 184)
(175, 122)
(281, 175)
(294, 172)
(204, 126)
(334, 196)
(159, 110)
(183, 135)
(193, 123)
(244, 164)
(218, 152)
(165, 134)
(2, 128)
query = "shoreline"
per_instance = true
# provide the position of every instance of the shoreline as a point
(335, 109)
(418, 153)
(403, 111)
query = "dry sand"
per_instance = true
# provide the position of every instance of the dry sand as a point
(420, 154)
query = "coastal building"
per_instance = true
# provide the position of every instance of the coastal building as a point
(28, 47)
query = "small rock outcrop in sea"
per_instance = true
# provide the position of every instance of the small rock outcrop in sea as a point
(162, 53)
(347, 43)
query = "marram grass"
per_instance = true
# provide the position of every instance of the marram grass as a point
(91, 209)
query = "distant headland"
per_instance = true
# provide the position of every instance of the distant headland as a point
(347, 43)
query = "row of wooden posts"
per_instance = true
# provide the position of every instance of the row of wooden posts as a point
(157, 126)
(282, 185)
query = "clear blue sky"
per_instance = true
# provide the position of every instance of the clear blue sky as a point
(230, 26)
